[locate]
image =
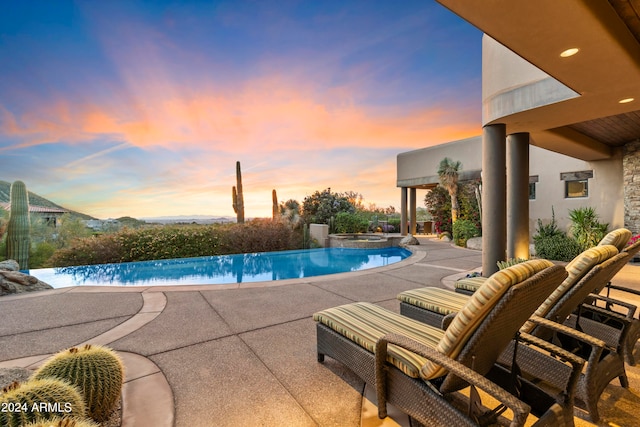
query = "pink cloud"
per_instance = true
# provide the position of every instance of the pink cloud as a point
(269, 114)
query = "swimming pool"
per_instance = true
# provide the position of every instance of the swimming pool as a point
(240, 268)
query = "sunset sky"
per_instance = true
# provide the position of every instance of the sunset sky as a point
(141, 108)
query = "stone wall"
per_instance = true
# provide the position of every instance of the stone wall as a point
(631, 179)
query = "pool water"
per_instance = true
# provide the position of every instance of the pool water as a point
(240, 268)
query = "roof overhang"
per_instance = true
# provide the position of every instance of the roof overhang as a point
(605, 70)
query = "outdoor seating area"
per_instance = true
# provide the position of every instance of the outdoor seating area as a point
(258, 362)
(559, 349)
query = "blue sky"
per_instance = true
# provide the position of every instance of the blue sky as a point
(142, 108)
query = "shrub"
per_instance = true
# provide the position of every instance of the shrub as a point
(586, 228)
(346, 222)
(258, 235)
(469, 203)
(41, 254)
(558, 247)
(321, 206)
(438, 203)
(179, 241)
(395, 223)
(463, 230)
(548, 230)
(510, 262)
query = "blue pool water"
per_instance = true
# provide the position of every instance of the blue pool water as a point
(254, 267)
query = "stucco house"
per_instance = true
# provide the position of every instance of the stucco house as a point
(555, 180)
(560, 76)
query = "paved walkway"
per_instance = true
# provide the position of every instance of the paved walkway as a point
(235, 355)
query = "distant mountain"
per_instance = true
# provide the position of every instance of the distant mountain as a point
(36, 200)
(182, 219)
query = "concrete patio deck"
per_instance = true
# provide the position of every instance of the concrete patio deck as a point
(242, 354)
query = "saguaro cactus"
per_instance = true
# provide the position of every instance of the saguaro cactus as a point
(237, 195)
(275, 209)
(19, 226)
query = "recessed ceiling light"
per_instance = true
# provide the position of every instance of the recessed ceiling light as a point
(626, 100)
(569, 52)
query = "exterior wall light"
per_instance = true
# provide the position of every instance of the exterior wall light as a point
(626, 100)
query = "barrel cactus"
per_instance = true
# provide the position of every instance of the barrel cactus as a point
(19, 226)
(97, 371)
(64, 422)
(39, 400)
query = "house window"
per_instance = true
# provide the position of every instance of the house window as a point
(532, 187)
(576, 184)
(579, 188)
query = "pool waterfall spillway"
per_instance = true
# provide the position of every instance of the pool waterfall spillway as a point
(363, 240)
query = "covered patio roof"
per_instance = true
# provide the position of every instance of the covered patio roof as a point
(605, 71)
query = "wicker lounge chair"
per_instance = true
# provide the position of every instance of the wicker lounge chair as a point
(616, 313)
(420, 368)
(602, 347)
(618, 238)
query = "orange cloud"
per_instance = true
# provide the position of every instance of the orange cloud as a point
(267, 115)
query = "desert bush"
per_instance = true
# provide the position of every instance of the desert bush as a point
(321, 206)
(510, 262)
(179, 241)
(586, 228)
(40, 254)
(438, 203)
(395, 223)
(258, 235)
(558, 247)
(346, 222)
(463, 230)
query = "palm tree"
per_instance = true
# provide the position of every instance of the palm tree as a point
(448, 173)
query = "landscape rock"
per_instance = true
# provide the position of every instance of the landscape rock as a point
(475, 243)
(409, 240)
(14, 282)
(10, 265)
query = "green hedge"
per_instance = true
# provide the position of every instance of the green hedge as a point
(463, 230)
(558, 247)
(179, 241)
(346, 222)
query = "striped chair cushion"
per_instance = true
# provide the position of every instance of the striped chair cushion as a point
(365, 323)
(618, 238)
(576, 269)
(437, 300)
(470, 283)
(478, 306)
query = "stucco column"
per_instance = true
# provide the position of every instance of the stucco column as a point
(412, 210)
(403, 211)
(494, 200)
(518, 195)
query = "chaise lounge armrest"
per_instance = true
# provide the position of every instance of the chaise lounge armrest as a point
(609, 303)
(520, 409)
(576, 361)
(573, 333)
